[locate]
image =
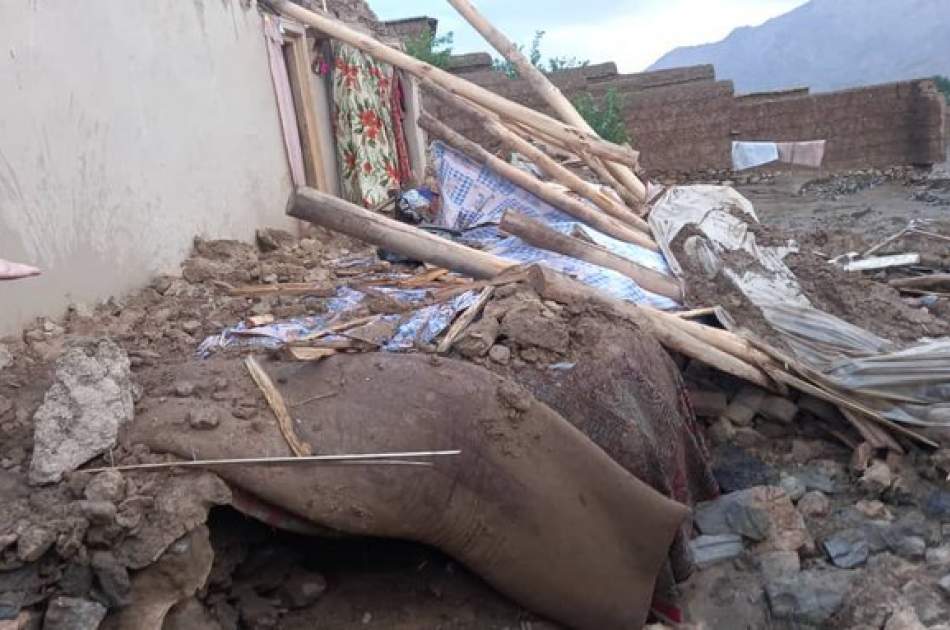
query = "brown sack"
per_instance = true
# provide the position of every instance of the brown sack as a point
(531, 504)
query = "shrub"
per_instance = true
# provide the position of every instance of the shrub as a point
(604, 116)
(434, 50)
(553, 64)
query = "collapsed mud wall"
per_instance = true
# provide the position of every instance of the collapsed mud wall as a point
(683, 120)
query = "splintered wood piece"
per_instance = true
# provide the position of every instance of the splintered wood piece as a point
(466, 318)
(284, 422)
(302, 353)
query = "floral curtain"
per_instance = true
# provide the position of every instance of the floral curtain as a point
(363, 119)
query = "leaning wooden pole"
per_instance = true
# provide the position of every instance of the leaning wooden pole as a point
(542, 160)
(540, 235)
(543, 86)
(342, 216)
(456, 85)
(543, 190)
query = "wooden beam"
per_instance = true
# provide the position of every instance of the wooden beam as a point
(543, 86)
(554, 196)
(540, 235)
(342, 216)
(456, 85)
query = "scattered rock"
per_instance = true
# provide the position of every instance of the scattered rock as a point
(6, 406)
(861, 458)
(106, 486)
(79, 419)
(928, 604)
(944, 585)
(191, 326)
(778, 564)
(707, 550)
(500, 354)
(874, 510)
(734, 513)
(479, 338)
(191, 614)
(112, 578)
(204, 418)
(876, 479)
(185, 389)
(847, 549)
(73, 613)
(939, 556)
(98, 512)
(823, 475)
(814, 504)
(909, 547)
(521, 325)
(33, 542)
(809, 597)
(302, 589)
(792, 486)
(904, 619)
(937, 505)
(737, 469)
(6, 357)
(272, 239)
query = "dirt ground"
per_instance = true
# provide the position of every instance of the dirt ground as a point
(265, 578)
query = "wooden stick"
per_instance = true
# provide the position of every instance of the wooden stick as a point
(540, 235)
(696, 312)
(543, 86)
(557, 198)
(466, 318)
(548, 166)
(368, 458)
(922, 282)
(454, 84)
(342, 216)
(278, 406)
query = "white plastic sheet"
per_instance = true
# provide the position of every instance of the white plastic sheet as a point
(907, 384)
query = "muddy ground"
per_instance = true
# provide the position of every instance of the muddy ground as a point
(264, 578)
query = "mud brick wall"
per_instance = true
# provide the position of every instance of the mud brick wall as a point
(876, 126)
(683, 121)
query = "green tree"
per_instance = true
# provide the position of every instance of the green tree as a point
(605, 115)
(426, 46)
(553, 64)
(943, 84)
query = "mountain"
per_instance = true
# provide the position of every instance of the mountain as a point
(830, 45)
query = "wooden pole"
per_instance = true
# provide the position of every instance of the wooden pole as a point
(456, 85)
(540, 235)
(554, 196)
(342, 216)
(548, 166)
(543, 86)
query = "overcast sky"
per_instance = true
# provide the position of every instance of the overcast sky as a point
(633, 33)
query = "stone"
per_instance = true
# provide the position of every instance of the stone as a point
(191, 326)
(708, 550)
(944, 585)
(112, 578)
(191, 614)
(792, 486)
(6, 357)
(778, 564)
(302, 589)
(272, 239)
(778, 409)
(33, 542)
(874, 510)
(737, 469)
(744, 406)
(733, 514)
(747, 437)
(6, 406)
(904, 619)
(823, 475)
(500, 354)
(108, 485)
(847, 549)
(808, 597)
(928, 604)
(478, 338)
(909, 547)
(722, 432)
(185, 389)
(937, 505)
(98, 512)
(876, 479)
(938, 556)
(814, 504)
(91, 397)
(73, 613)
(521, 326)
(204, 418)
